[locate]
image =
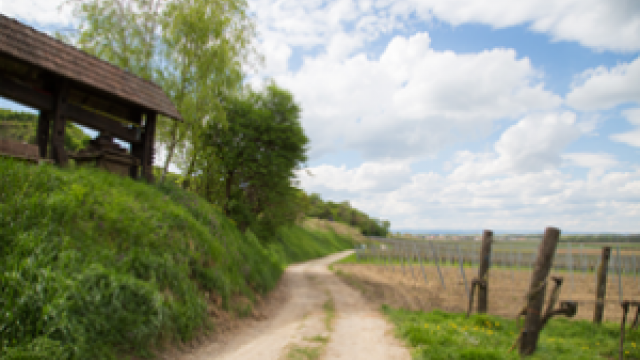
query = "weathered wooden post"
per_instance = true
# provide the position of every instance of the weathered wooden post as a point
(601, 285)
(483, 271)
(535, 296)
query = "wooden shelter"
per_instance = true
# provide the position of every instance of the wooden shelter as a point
(65, 83)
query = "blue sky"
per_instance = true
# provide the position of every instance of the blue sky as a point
(459, 114)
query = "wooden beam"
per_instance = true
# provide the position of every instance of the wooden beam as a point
(25, 95)
(43, 101)
(102, 123)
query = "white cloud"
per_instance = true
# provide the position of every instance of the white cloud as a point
(599, 24)
(525, 201)
(276, 56)
(632, 137)
(369, 176)
(41, 12)
(603, 88)
(412, 101)
(533, 144)
(598, 163)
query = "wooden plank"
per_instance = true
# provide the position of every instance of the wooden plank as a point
(98, 122)
(25, 95)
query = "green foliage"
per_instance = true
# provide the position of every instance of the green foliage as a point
(22, 126)
(256, 156)
(93, 265)
(343, 212)
(194, 49)
(441, 335)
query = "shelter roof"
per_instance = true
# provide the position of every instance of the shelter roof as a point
(45, 52)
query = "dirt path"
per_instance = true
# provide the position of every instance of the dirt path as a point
(319, 317)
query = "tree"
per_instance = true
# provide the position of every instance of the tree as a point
(258, 154)
(194, 49)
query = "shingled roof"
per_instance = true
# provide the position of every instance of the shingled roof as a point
(40, 50)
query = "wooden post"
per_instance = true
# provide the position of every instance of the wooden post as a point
(137, 148)
(601, 285)
(483, 271)
(535, 296)
(42, 133)
(58, 154)
(149, 145)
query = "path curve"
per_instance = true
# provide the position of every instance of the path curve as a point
(358, 331)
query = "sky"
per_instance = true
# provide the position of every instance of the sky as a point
(457, 114)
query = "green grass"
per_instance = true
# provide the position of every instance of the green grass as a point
(329, 307)
(439, 335)
(96, 266)
(297, 352)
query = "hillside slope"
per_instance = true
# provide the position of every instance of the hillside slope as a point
(94, 266)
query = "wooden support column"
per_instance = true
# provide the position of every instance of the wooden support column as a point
(42, 133)
(137, 148)
(483, 271)
(58, 154)
(601, 285)
(537, 288)
(149, 145)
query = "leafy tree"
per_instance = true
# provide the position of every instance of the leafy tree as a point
(258, 153)
(194, 49)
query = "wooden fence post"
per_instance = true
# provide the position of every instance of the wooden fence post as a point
(535, 296)
(485, 262)
(601, 285)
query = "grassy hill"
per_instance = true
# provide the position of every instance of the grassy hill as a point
(95, 266)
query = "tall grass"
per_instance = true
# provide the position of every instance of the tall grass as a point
(93, 266)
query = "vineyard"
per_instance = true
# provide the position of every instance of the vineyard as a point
(445, 268)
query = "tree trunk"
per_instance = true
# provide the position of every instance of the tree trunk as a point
(170, 150)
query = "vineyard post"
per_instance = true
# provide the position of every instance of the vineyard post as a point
(571, 288)
(485, 263)
(619, 261)
(537, 287)
(464, 278)
(411, 259)
(424, 273)
(437, 261)
(601, 284)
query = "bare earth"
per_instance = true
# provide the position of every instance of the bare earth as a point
(298, 322)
